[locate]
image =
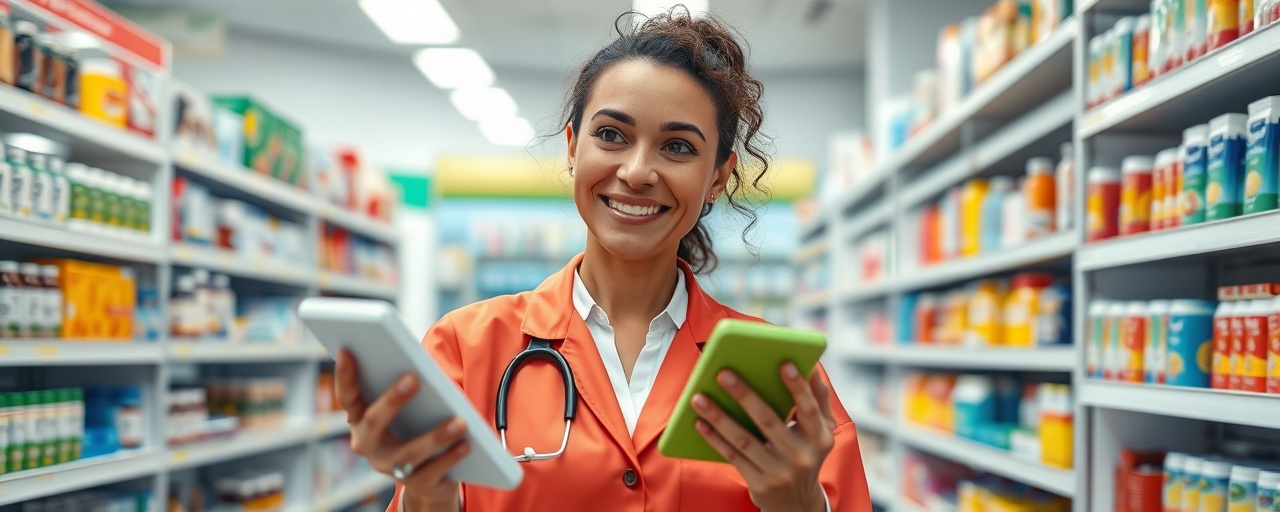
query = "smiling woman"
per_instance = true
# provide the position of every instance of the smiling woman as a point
(661, 125)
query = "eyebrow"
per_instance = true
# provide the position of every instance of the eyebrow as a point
(621, 116)
(679, 126)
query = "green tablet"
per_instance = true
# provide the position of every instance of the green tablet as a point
(756, 352)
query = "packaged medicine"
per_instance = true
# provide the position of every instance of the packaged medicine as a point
(1252, 360)
(1124, 56)
(1157, 350)
(1095, 93)
(1196, 29)
(1223, 196)
(1141, 62)
(1262, 165)
(1223, 22)
(1158, 51)
(1245, 18)
(1135, 195)
(20, 183)
(1103, 207)
(1195, 173)
(1273, 348)
(1191, 331)
(1040, 194)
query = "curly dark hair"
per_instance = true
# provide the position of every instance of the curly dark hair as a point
(708, 50)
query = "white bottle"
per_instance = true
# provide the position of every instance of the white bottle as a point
(6, 188)
(20, 183)
(1015, 222)
(41, 186)
(77, 176)
(52, 302)
(224, 305)
(61, 190)
(206, 316)
(1064, 178)
(10, 319)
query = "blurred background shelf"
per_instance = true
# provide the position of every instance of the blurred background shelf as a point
(82, 474)
(78, 352)
(352, 492)
(340, 284)
(244, 443)
(1058, 481)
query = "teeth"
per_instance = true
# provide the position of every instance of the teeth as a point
(634, 211)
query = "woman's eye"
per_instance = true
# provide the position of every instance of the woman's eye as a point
(609, 135)
(679, 147)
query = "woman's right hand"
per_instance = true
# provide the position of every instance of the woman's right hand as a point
(432, 454)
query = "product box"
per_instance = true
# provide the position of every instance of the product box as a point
(228, 130)
(98, 300)
(193, 132)
(144, 96)
(272, 145)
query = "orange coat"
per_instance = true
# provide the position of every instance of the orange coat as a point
(474, 345)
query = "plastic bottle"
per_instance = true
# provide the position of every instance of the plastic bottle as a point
(17, 432)
(1064, 178)
(1216, 475)
(1195, 173)
(1222, 344)
(1192, 483)
(1057, 426)
(31, 301)
(1040, 194)
(61, 197)
(1014, 212)
(21, 183)
(1113, 359)
(1104, 204)
(41, 187)
(27, 60)
(6, 416)
(77, 421)
(1022, 307)
(1053, 323)
(1094, 353)
(49, 425)
(1134, 343)
(1243, 494)
(1096, 91)
(51, 302)
(1173, 462)
(129, 421)
(993, 213)
(1273, 348)
(78, 195)
(6, 188)
(1268, 490)
(1135, 195)
(1223, 195)
(10, 305)
(66, 425)
(34, 404)
(1157, 351)
(975, 191)
(985, 318)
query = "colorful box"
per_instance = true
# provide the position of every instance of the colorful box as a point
(272, 145)
(98, 300)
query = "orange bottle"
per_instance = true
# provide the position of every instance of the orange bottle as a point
(971, 199)
(1040, 195)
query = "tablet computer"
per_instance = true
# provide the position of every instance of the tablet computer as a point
(384, 350)
(755, 351)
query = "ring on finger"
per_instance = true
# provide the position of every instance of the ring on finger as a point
(402, 472)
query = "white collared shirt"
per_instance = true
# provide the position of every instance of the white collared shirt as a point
(662, 331)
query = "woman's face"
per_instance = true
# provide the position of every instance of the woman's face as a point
(644, 160)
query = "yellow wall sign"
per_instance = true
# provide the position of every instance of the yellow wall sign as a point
(527, 177)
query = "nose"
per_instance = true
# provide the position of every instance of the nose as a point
(638, 170)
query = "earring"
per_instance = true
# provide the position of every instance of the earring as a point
(570, 170)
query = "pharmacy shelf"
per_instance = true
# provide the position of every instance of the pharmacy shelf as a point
(1200, 239)
(245, 443)
(865, 189)
(811, 251)
(865, 354)
(863, 292)
(871, 420)
(1233, 407)
(1132, 6)
(243, 183)
(89, 140)
(224, 352)
(1017, 140)
(360, 224)
(1047, 359)
(1049, 248)
(340, 284)
(1194, 93)
(906, 505)
(1035, 75)
(78, 352)
(353, 492)
(82, 474)
(127, 248)
(228, 262)
(874, 217)
(813, 302)
(331, 424)
(990, 459)
(811, 227)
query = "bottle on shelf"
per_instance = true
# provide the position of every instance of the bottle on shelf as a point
(1040, 194)
(1064, 179)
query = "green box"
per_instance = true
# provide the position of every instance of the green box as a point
(272, 145)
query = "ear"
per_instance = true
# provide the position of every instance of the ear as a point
(570, 140)
(723, 173)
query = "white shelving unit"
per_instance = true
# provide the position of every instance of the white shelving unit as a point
(153, 366)
(1026, 109)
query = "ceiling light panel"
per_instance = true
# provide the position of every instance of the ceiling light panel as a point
(412, 21)
(454, 68)
(483, 103)
(512, 131)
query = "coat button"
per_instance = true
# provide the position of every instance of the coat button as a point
(629, 478)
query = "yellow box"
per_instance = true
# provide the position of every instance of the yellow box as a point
(98, 300)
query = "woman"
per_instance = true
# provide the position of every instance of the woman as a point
(655, 123)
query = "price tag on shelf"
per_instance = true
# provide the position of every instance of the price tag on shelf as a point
(4, 351)
(325, 280)
(184, 253)
(48, 479)
(46, 351)
(178, 457)
(228, 258)
(185, 350)
(39, 109)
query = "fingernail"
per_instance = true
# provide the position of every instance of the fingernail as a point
(462, 448)
(702, 426)
(456, 426)
(406, 385)
(727, 378)
(700, 402)
(792, 372)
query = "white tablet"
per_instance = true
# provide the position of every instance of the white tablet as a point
(384, 349)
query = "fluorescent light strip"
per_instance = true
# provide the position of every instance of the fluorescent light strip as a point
(512, 131)
(412, 21)
(483, 103)
(454, 68)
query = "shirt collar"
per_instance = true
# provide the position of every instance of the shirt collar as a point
(676, 310)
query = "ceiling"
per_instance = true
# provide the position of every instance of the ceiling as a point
(785, 35)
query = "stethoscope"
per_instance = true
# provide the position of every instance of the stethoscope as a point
(537, 349)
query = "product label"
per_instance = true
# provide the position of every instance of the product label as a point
(1268, 499)
(6, 189)
(1194, 175)
(52, 312)
(1093, 356)
(20, 192)
(1135, 331)
(1214, 495)
(1157, 349)
(1242, 497)
(129, 427)
(35, 438)
(42, 195)
(79, 201)
(1135, 203)
(1261, 167)
(10, 319)
(1115, 336)
(1253, 357)
(1273, 354)
(1172, 490)
(1222, 193)
(1236, 360)
(61, 199)
(1190, 350)
(1221, 352)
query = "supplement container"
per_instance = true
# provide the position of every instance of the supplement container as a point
(1192, 483)
(1141, 50)
(1243, 493)
(1273, 348)
(1222, 344)
(1262, 156)
(993, 213)
(1096, 92)
(1253, 356)
(1223, 23)
(1102, 213)
(1268, 490)
(1134, 342)
(1190, 343)
(1124, 55)
(1223, 196)
(1235, 358)
(1053, 323)
(974, 191)
(1097, 338)
(985, 318)
(104, 95)
(1216, 475)
(1173, 462)
(1113, 359)
(1023, 307)
(1157, 351)
(1064, 179)
(1135, 195)
(1164, 197)
(1197, 28)
(1040, 194)
(1195, 174)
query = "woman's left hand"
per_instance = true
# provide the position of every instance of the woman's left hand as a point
(782, 473)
